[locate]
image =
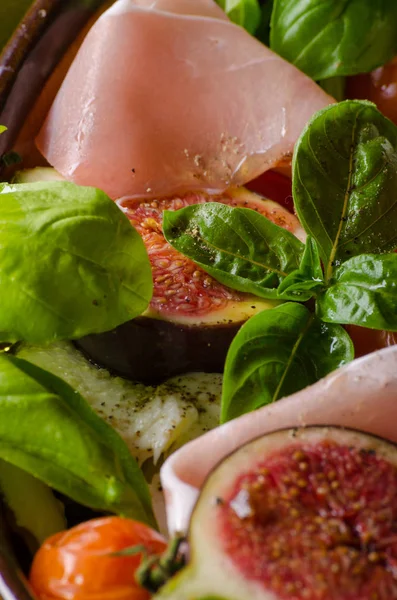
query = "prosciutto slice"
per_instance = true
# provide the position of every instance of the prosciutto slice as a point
(167, 96)
(362, 395)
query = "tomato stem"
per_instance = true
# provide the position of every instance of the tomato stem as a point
(155, 571)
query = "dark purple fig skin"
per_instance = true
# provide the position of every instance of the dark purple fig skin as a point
(152, 350)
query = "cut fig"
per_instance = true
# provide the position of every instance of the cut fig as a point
(298, 514)
(192, 318)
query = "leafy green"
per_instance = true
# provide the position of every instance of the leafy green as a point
(48, 430)
(345, 193)
(345, 182)
(303, 283)
(263, 31)
(246, 13)
(70, 263)
(334, 37)
(237, 246)
(277, 353)
(363, 291)
(42, 516)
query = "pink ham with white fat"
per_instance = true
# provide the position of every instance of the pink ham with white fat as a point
(167, 96)
(362, 395)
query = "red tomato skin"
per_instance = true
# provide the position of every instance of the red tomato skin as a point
(274, 186)
(78, 564)
(368, 340)
(379, 86)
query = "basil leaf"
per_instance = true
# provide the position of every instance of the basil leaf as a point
(48, 430)
(345, 182)
(237, 246)
(278, 352)
(246, 13)
(363, 292)
(301, 284)
(3, 128)
(70, 263)
(334, 37)
(263, 31)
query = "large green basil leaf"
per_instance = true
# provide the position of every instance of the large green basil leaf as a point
(279, 352)
(334, 37)
(363, 292)
(345, 182)
(246, 13)
(237, 246)
(303, 284)
(49, 430)
(70, 263)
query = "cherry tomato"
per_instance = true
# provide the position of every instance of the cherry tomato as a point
(78, 564)
(274, 186)
(368, 340)
(380, 87)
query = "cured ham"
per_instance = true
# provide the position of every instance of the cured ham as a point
(167, 96)
(362, 395)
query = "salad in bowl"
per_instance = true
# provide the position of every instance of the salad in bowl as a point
(199, 301)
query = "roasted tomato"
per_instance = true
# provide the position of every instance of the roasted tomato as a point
(80, 564)
(380, 87)
(368, 340)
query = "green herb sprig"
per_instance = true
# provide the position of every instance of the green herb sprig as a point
(345, 194)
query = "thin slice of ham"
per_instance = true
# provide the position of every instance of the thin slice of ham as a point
(362, 395)
(167, 96)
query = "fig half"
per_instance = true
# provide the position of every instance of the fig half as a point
(298, 514)
(192, 318)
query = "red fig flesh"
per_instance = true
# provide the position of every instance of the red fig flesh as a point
(192, 318)
(298, 514)
(182, 291)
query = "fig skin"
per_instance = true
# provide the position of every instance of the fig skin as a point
(307, 541)
(152, 350)
(192, 318)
